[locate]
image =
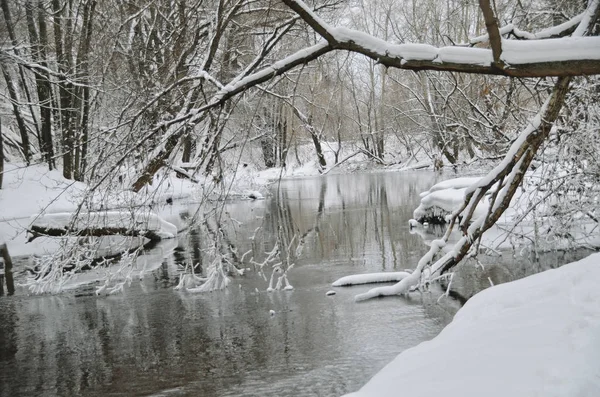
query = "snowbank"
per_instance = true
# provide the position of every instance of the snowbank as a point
(538, 336)
(35, 190)
(531, 215)
(456, 183)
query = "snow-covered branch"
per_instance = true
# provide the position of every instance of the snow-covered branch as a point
(555, 57)
(557, 31)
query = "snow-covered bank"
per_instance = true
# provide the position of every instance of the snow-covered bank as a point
(538, 336)
(33, 195)
(534, 216)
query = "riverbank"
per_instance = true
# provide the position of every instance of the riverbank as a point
(538, 336)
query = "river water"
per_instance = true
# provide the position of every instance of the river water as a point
(152, 340)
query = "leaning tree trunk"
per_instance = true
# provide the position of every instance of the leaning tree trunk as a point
(509, 174)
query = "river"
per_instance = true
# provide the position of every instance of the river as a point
(152, 340)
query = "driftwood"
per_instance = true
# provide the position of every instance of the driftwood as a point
(39, 231)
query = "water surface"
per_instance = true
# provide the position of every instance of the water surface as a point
(153, 340)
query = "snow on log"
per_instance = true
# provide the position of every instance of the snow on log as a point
(370, 278)
(399, 288)
(103, 223)
(407, 283)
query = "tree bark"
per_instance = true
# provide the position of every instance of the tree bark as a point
(14, 99)
(65, 89)
(1, 155)
(42, 81)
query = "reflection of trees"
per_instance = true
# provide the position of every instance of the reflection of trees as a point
(338, 217)
(347, 215)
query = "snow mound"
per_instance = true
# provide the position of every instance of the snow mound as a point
(26, 190)
(538, 336)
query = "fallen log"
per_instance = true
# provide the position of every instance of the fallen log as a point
(102, 223)
(41, 231)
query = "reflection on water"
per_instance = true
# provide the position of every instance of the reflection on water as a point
(153, 340)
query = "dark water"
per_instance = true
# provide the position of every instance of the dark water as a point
(153, 340)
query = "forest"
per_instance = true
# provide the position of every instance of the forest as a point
(115, 94)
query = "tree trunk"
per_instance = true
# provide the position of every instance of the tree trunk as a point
(38, 231)
(82, 93)
(319, 151)
(516, 168)
(14, 99)
(12, 88)
(266, 144)
(1, 155)
(42, 82)
(188, 147)
(63, 56)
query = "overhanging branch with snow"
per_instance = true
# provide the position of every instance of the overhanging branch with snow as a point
(568, 56)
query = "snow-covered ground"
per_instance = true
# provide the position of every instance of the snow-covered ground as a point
(538, 336)
(34, 195)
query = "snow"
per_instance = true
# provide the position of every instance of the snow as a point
(35, 195)
(476, 56)
(538, 336)
(551, 50)
(34, 189)
(407, 283)
(588, 15)
(369, 278)
(513, 51)
(542, 34)
(455, 183)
